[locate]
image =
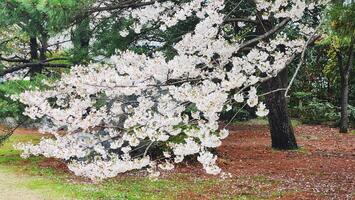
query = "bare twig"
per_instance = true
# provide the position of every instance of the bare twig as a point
(273, 91)
(311, 40)
(9, 133)
(234, 116)
(146, 150)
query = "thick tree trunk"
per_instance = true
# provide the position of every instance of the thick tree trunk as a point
(344, 76)
(34, 56)
(282, 134)
(42, 52)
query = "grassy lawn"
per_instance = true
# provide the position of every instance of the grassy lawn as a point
(63, 185)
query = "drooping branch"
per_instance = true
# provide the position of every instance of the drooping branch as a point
(9, 132)
(112, 7)
(265, 35)
(32, 65)
(310, 41)
(13, 60)
(122, 5)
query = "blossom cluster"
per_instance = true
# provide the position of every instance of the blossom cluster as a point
(106, 118)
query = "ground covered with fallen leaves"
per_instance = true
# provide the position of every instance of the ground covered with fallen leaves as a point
(323, 168)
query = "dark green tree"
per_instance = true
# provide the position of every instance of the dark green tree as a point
(340, 28)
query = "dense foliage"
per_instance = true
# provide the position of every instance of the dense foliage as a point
(318, 91)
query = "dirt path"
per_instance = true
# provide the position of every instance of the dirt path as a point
(11, 188)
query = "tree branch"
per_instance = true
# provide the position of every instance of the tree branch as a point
(13, 60)
(32, 65)
(233, 20)
(10, 132)
(310, 41)
(53, 59)
(267, 34)
(127, 4)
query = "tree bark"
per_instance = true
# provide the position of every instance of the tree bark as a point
(81, 39)
(42, 52)
(344, 78)
(44, 46)
(34, 56)
(34, 48)
(282, 134)
(344, 116)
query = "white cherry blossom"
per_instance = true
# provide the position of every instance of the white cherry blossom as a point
(114, 114)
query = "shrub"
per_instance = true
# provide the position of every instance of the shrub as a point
(317, 112)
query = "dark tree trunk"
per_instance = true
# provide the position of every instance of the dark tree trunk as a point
(34, 48)
(42, 52)
(44, 47)
(81, 40)
(344, 77)
(344, 116)
(282, 134)
(34, 56)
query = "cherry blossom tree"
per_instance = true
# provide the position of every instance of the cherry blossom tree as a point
(107, 118)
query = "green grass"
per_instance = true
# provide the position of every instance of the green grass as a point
(48, 180)
(302, 150)
(127, 188)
